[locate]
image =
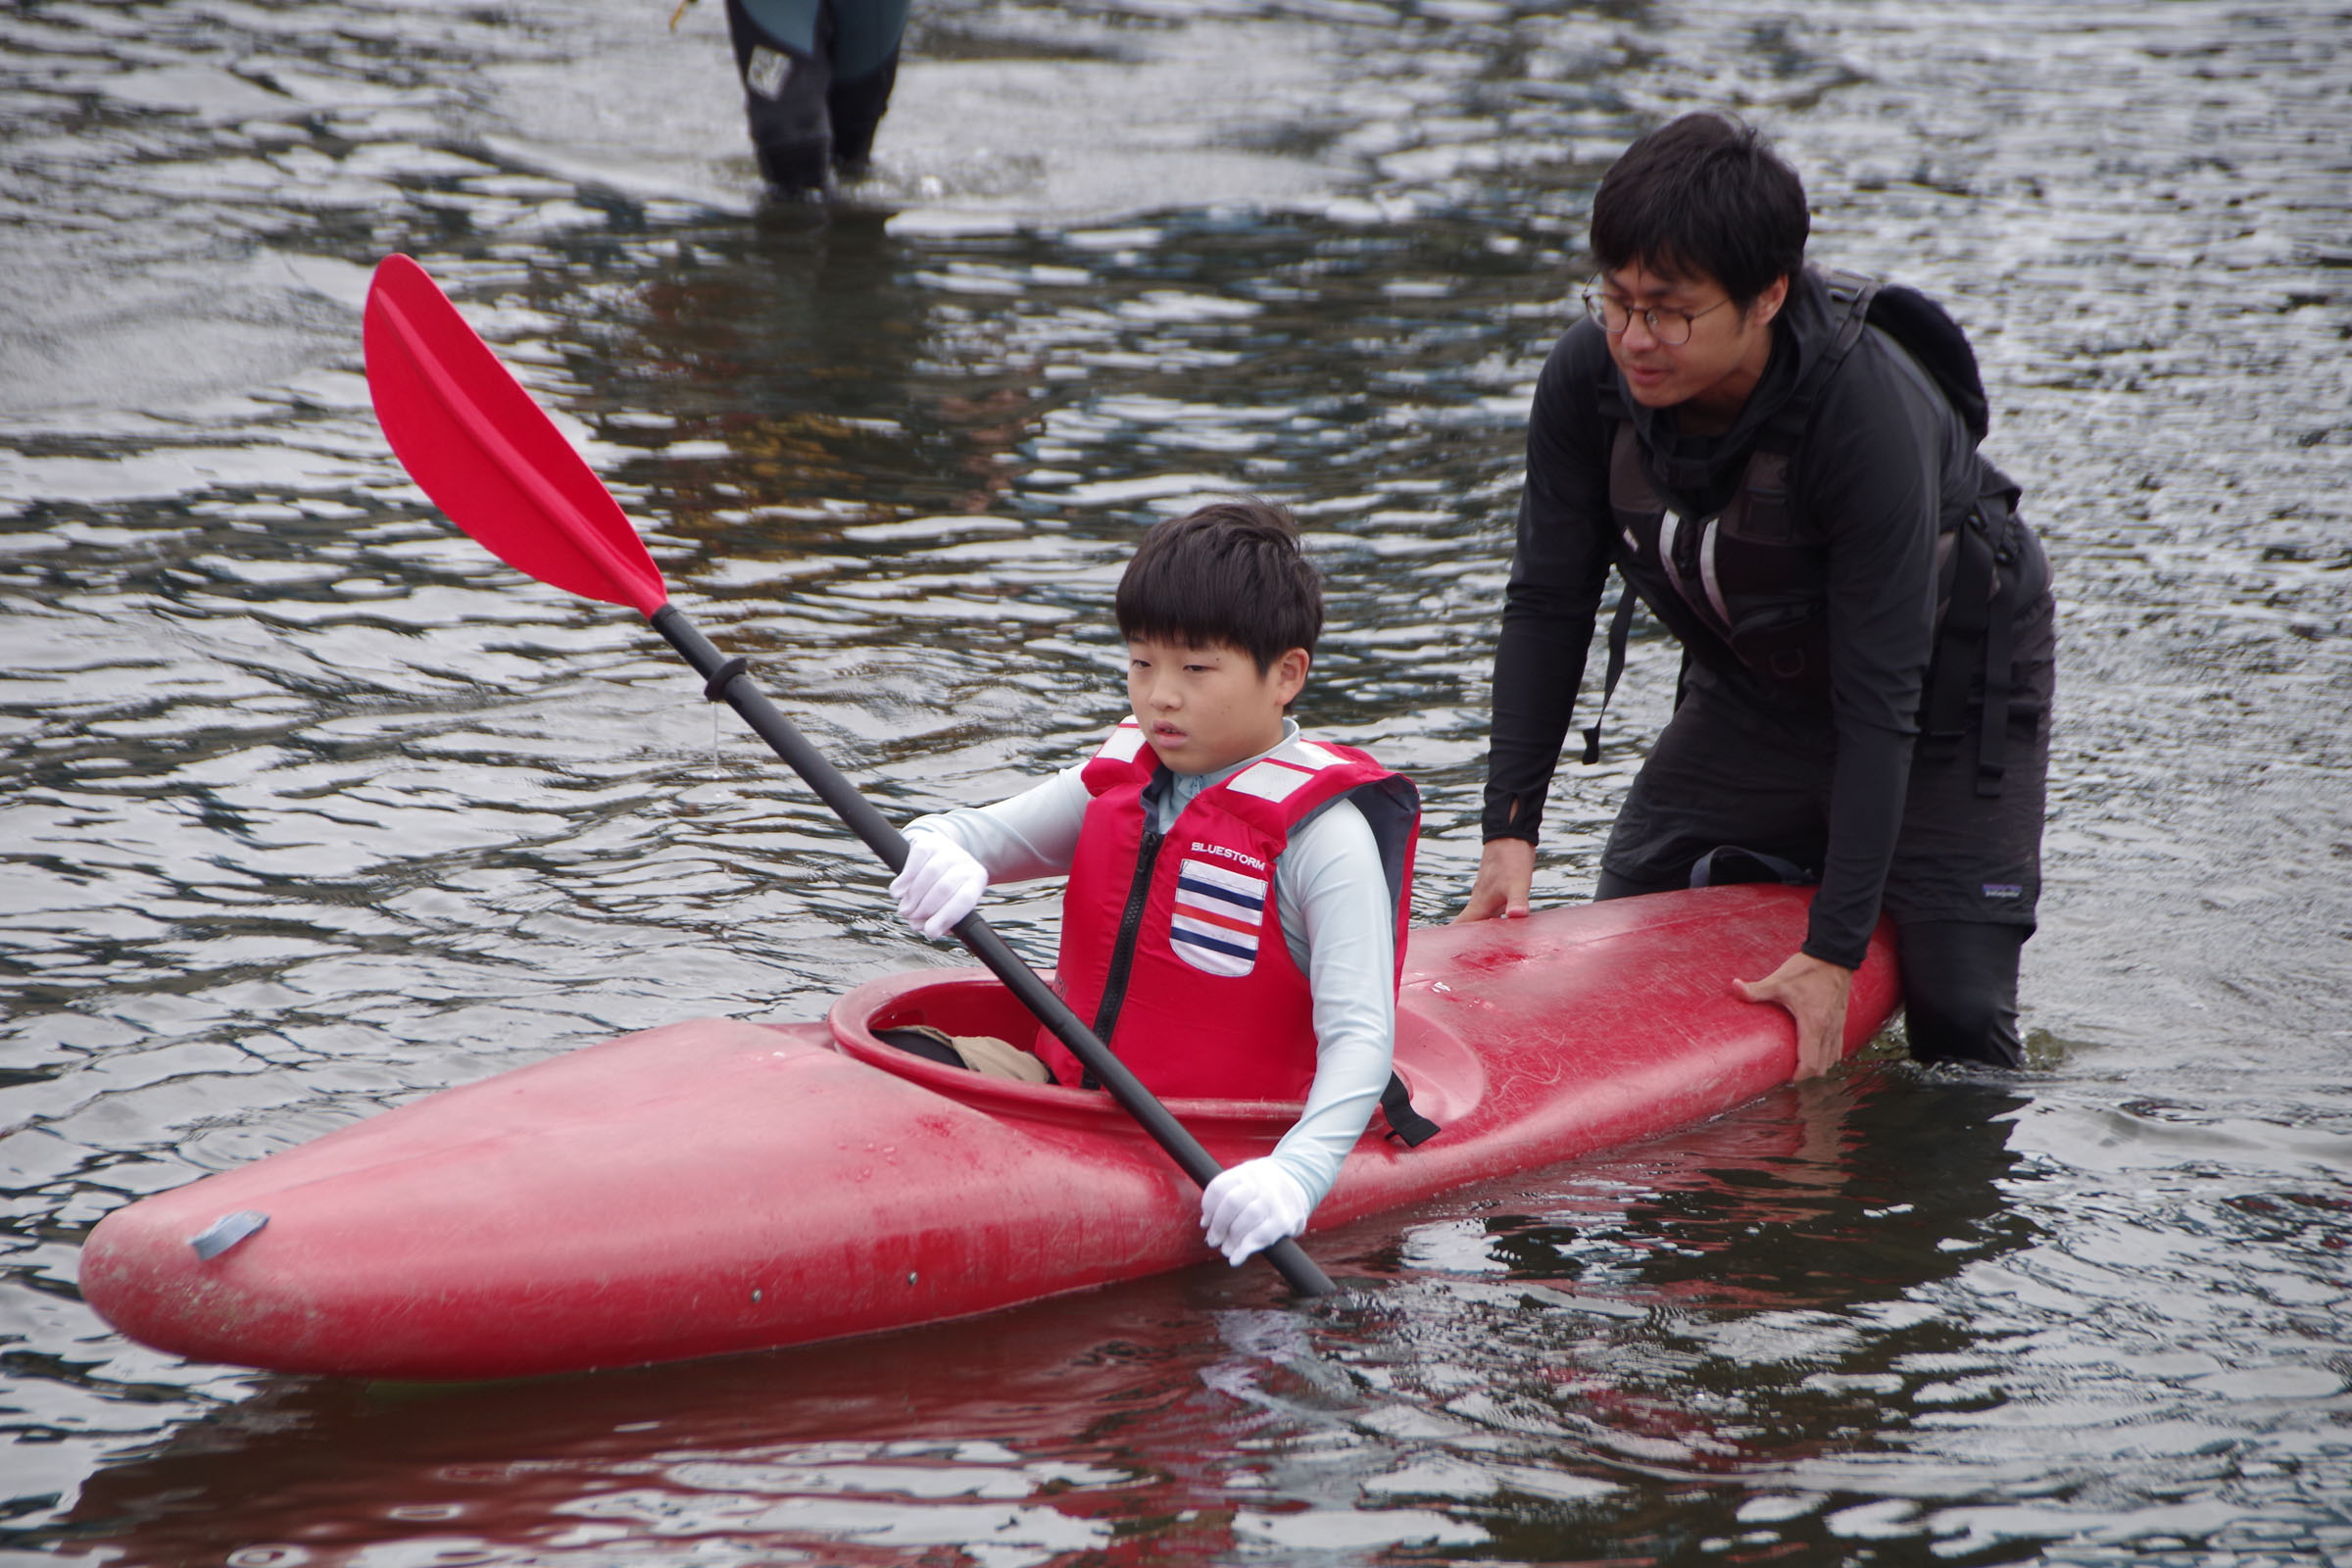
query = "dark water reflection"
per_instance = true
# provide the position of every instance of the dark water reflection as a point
(310, 808)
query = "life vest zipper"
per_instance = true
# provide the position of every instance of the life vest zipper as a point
(1122, 953)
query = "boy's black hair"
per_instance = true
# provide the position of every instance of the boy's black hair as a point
(1230, 573)
(1703, 194)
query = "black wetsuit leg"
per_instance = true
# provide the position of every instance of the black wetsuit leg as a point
(1960, 991)
(785, 103)
(1966, 871)
(865, 36)
(857, 108)
(1718, 776)
(1609, 885)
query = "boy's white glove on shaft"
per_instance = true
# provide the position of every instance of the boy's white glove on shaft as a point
(941, 884)
(1250, 1206)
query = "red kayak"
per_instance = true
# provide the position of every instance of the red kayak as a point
(718, 1185)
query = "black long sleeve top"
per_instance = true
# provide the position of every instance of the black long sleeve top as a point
(1883, 465)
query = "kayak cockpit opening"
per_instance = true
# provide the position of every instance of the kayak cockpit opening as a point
(1440, 1067)
(960, 1003)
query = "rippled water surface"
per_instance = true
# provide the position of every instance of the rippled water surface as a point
(311, 807)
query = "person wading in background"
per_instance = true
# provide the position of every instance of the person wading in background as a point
(816, 78)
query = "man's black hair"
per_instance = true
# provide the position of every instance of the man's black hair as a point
(1703, 194)
(1230, 573)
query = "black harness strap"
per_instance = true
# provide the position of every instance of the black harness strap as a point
(1992, 726)
(1980, 610)
(1943, 716)
(1852, 293)
(1621, 629)
(1404, 1123)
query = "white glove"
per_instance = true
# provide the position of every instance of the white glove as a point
(941, 884)
(1250, 1206)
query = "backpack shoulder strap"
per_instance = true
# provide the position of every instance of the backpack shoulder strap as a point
(1850, 302)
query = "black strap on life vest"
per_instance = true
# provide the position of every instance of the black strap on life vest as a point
(1621, 627)
(1943, 716)
(1853, 294)
(2000, 636)
(1980, 612)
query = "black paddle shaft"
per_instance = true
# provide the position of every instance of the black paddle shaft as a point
(725, 682)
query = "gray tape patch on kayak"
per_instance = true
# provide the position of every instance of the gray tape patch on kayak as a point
(226, 1232)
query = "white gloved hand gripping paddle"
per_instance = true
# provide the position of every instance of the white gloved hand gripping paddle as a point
(1250, 1206)
(940, 884)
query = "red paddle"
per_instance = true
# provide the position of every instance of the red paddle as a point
(490, 458)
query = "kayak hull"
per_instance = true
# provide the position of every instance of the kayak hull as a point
(717, 1186)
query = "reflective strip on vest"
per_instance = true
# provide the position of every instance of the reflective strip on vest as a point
(1271, 779)
(1123, 743)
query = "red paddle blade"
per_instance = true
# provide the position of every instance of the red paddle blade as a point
(490, 458)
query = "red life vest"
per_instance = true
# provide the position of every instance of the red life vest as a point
(1172, 946)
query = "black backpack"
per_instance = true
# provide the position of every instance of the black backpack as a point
(1929, 335)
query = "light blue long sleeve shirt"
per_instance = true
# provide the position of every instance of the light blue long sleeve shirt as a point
(1337, 922)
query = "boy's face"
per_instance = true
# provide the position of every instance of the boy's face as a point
(1204, 709)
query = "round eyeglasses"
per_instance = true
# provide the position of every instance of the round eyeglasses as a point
(1670, 328)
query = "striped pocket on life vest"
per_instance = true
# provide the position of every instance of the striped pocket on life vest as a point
(1219, 912)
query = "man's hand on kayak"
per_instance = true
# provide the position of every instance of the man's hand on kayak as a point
(1815, 991)
(1250, 1206)
(1506, 869)
(941, 883)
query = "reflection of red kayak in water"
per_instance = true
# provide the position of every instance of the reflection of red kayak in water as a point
(717, 1186)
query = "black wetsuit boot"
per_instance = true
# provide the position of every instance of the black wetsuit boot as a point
(857, 109)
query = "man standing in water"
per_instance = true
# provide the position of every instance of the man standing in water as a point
(1782, 462)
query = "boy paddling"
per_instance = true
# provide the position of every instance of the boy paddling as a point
(1234, 921)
